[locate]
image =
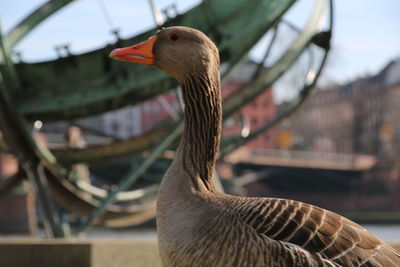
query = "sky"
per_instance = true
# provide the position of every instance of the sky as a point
(366, 32)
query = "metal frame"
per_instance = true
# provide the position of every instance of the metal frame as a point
(37, 160)
(233, 143)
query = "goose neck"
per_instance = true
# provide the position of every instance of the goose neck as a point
(201, 136)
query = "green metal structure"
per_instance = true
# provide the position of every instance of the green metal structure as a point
(92, 84)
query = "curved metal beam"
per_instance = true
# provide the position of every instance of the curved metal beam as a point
(112, 151)
(35, 18)
(233, 143)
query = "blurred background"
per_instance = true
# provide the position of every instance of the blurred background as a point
(84, 139)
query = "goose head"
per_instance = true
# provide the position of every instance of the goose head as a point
(192, 58)
(178, 51)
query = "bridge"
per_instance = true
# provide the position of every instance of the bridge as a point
(302, 159)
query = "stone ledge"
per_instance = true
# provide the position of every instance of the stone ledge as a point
(78, 253)
(81, 253)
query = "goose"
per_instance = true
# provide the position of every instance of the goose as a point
(199, 226)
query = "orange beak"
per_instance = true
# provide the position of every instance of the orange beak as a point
(141, 53)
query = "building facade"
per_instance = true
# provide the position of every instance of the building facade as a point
(361, 117)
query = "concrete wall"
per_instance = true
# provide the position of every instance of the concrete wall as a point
(78, 253)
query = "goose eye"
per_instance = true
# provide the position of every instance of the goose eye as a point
(173, 37)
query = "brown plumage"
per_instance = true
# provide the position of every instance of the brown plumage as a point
(198, 226)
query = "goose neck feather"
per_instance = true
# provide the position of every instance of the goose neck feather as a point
(201, 137)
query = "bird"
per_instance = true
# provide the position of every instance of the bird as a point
(199, 226)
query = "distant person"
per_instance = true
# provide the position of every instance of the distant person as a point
(74, 140)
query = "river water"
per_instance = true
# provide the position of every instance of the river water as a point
(388, 233)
